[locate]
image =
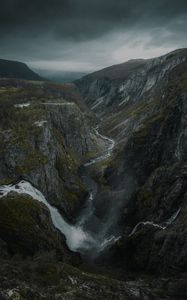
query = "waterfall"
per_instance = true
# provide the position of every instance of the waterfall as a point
(77, 236)
(158, 226)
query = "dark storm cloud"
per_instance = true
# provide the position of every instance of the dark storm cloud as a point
(33, 30)
(81, 19)
(23, 15)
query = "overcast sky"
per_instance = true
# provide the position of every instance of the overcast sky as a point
(86, 35)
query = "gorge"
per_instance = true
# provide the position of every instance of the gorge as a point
(77, 238)
(93, 181)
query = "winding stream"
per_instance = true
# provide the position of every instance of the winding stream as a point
(98, 239)
(107, 153)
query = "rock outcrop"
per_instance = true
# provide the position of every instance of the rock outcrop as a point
(115, 88)
(142, 105)
(44, 139)
(137, 194)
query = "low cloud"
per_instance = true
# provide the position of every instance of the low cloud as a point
(86, 35)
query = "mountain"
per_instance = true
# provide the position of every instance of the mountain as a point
(143, 108)
(93, 181)
(19, 70)
(113, 88)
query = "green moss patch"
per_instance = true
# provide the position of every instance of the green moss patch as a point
(148, 123)
(34, 160)
(26, 226)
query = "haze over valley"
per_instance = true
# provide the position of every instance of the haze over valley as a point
(93, 150)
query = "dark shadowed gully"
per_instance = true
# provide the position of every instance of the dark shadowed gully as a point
(93, 181)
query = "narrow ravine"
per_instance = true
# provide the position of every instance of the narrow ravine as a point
(87, 220)
(78, 238)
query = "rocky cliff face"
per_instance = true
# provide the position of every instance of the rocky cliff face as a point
(115, 88)
(26, 228)
(137, 180)
(44, 139)
(145, 181)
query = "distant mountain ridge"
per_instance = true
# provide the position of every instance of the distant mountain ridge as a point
(19, 70)
(123, 70)
(118, 71)
(115, 87)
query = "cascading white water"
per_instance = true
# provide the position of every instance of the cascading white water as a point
(158, 226)
(77, 237)
(88, 209)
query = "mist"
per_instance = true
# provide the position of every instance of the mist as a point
(84, 36)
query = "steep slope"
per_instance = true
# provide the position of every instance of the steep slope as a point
(26, 228)
(118, 187)
(19, 70)
(143, 191)
(154, 161)
(115, 88)
(46, 135)
(45, 138)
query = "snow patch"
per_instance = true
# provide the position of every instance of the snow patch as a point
(97, 102)
(123, 123)
(59, 103)
(40, 123)
(22, 105)
(72, 280)
(121, 88)
(124, 101)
